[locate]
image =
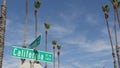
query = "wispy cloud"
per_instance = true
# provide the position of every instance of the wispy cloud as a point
(70, 17)
(105, 34)
(92, 19)
(11, 63)
(98, 64)
(89, 45)
(96, 46)
(60, 31)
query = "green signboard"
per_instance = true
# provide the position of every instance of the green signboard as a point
(31, 54)
(36, 42)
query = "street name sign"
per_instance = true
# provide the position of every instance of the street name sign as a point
(36, 42)
(25, 53)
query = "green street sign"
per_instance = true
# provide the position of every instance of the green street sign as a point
(31, 54)
(36, 42)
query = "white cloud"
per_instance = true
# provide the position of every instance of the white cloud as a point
(104, 31)
(8, 22)
(11, 63)
(97, 45)
(67, 66)
(59, 31)
(92, 19)
(98, 64)
(9, 43)
(69, 17)
(78, 65)
(71, 13)
(105, 34)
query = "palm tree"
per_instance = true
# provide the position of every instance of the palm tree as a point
(37, 5)
(58, 47)
(47, 26)
(118, 5)
(106, 10)
(2, 31)
(54, 42)
(115, 6)
(25, 28)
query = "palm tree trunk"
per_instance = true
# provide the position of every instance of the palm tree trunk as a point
(113, 54)
(2, 31)
(36, 23)
(25, 28)
(116, 39)
(54, 55)
(46, 34)
(118, 17)
(58, 59)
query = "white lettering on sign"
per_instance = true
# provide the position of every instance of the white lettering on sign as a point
(14, 51)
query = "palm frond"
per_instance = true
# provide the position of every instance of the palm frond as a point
(47, 26)
(37, 4)
(119, 4)
(113, 1)
(105, 8)
(54, 42)
(58, 47)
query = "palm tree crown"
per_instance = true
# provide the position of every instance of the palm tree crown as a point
(118, 4)
(37, 4)
(105, 8)
(58, 47)
(54, 42)
(115, 3)
(47, 26)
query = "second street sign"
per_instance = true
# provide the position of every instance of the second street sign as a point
(36, 42)
(30, 54)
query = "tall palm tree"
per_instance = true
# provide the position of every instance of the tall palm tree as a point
(37, 5)
(47, 26)
(2, 31)
(58, 47)
(118, 6)
(106, 10)
(115, 6)
(25, 28)
(54, 42)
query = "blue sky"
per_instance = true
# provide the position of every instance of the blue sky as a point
(78, 26)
